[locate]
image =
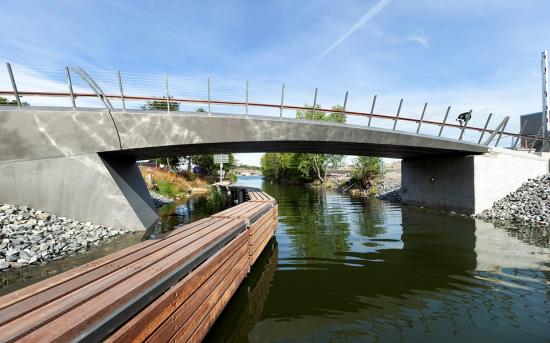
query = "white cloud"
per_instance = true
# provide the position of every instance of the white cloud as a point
(371, 13)
(420, 38)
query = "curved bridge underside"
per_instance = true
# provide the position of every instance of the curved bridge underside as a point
(81, 163)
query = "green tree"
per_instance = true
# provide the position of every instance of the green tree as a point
(366, 169)
(206, 162)
(161, 105)
(304, 166)
(6, 102)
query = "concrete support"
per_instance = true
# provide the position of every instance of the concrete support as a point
(468, 184)
(103, 189)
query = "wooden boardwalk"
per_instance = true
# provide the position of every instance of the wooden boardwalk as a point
(168, 289)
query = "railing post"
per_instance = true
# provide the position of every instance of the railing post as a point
(246, 106)
(421, 117)
(70, 84)
(499, 129)
(121, 90)
(372, 108)
(540, 132)
(444, 121)
(397, 115)
(503, 128)
(315, 102)
(282, 100)
(167, 92)
(345, 103)
(519, 135)
(464, 126)
(209, 109)
(484, 128)
(13, 85)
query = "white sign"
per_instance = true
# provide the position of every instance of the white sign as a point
(221, 158)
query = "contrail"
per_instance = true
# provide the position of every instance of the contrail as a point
(364, 19)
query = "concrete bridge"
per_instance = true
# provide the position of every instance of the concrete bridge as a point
(81, 162)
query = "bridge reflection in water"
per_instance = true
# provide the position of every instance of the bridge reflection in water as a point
(349, 269)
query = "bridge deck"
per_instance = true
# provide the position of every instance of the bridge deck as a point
(170, 288)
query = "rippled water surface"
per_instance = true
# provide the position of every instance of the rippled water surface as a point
(353, 270)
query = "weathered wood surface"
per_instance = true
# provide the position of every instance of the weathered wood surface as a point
(167, 289)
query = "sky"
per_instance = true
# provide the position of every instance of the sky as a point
(480, 55)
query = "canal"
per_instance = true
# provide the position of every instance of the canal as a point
(344, 269)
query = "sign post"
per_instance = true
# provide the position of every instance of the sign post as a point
(545, 110)
(221, 159)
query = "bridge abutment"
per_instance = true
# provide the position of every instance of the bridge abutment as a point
(468, 184)
(99, 188)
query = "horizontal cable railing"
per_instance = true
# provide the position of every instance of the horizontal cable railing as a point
(74, 87)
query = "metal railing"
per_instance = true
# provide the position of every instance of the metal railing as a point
(119, 91)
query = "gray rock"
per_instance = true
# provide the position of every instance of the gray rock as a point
(4, 264)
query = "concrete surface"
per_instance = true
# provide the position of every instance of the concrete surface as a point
(84, 187)
(37, 133)
(468, 184)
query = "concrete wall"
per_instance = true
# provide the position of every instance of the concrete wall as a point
(83, 187)
(468, 184)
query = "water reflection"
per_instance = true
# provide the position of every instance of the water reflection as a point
(356, 270)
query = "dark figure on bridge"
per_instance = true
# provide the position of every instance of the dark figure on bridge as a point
(464, 118)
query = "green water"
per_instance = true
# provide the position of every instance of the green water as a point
(355, 270)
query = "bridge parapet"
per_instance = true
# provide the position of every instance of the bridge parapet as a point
(131, 91)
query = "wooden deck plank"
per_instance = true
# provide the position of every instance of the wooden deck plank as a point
(258, 223)
(262, 246)
(147, 321)
(210, 310)
(132, 286)
(260, 237)
(39, 299)
(17, 296)
(103, 294)
(185, 317)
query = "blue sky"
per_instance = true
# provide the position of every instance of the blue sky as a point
(483, 55)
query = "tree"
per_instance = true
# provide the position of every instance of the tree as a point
(320, 163)
(301, 166)
(366, 169)
(206, 162)
(6, 102)
(161, 105)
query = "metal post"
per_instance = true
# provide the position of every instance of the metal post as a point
(503, 128)
(13, 85)
(484, 128)
(519, 135)
(464, 126)
(535, 139)
(499, 129)
(121, 91)
(70, 84)
(397, 115)
(209, 111)
(421, 117)
(246, 107)
(345, 103)
(444, 121)
(315, 103)
(372, 108)
(282, 100)
(167, 92)
(545, 110)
